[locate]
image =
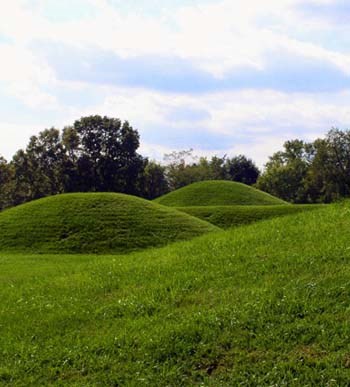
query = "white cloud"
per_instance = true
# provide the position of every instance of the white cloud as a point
(215, 37)
(19, 64)
(14, 137)
(24, 76)
(252, 122)
(31, 95)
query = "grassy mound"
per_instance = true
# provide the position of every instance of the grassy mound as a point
(230, 216)
(94, 223)
(260, 305)
(217, 193)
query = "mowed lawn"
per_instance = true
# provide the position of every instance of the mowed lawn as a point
(266, 304)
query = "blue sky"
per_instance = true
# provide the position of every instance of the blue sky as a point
(221, 77)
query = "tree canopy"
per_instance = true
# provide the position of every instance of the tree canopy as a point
(310, 172)
(95, 154)
(100, 154)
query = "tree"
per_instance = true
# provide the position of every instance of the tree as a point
(310, 172)
(241, 169)
(339, 160)
(178, 173)
(286, 171)
(38, 171)
(46, 154)
(95, 154)
(23, 179)
(70, 142)
(215, 169)
(6, 179)
(328, 177)
(107, 157)
(154, 181)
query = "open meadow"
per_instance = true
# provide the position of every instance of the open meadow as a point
(261, 304)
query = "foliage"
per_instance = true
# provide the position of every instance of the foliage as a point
(6, 179)
(95, 154)
(261, 305)
(310, 172)
(241, 169)
(106, 155)
(39, 169)
(155, 183)
(99, 154)
(95, 223)
(183, 168)
(216, 193)
(285, 172)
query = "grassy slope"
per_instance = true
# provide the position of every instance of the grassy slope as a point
(230, 216)
(217, 193)
(259, 305)
(94, 223)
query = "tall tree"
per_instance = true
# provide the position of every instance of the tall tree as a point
(6, 183)
(241, 169)
(286, 171)
(178, 171)
(154, 180)
(328, 177)
(107, 160)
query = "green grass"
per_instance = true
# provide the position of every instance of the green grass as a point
(217, 193)
(231, 216)
(266, 304)
(94, 223)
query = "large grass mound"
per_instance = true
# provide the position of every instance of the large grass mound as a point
(217, 193)
(94, 223)
(266, 304)
(232, 216)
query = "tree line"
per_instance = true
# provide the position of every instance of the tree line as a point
(99, 154)
(310, 172)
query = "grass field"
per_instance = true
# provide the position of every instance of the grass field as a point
(230, 216)
(217, 193)
(266, 304)
(94, 223)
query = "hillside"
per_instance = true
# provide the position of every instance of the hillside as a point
(94, 223)
(260, 305)
(230, 216)
(217, 193)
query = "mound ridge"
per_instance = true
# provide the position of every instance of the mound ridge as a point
(217, 193)
(231, 216)
(94, 223)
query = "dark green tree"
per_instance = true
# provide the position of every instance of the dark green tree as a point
(178, 171)
(154, 181)
(328, 177)
(39, 170)
(106, 156)
(241, 169)
(286, 171)
(6, 183)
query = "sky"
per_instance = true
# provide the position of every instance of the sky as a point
(224, 77)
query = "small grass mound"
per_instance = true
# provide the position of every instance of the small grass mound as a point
(217, 193)
(94, 223)
(231, 216)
